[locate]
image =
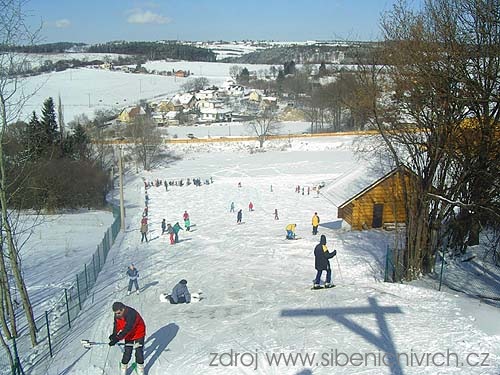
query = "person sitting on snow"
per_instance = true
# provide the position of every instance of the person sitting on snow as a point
(290, 231)
(180, 293)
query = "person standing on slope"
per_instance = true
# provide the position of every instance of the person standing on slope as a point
(129, 326)
(170, 231)
(239, 217)
(322, 263)
(144, 231)
(315, 223)
(133, 275)
(163, 226)
(187, 222)
(176, 228)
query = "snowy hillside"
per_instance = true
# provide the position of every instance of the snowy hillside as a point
(256, 285)
(83, 91)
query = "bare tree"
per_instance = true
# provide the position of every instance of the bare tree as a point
(146, 140)
(436, 75)
(442, 72)
(196, 84)
(264, 125)
(13, 32)
(234, 71)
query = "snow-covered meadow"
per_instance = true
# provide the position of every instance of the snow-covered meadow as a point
(83, 91)
(256, 285)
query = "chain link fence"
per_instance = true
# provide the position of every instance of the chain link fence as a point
(53, 324)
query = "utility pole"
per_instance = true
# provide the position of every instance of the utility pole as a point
(122, 206)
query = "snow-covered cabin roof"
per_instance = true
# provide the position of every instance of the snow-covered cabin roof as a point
(183, 99)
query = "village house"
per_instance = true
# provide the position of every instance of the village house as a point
(255, 96)
(181, 73)
(207, 94)
(213, 111)
(130, 113)
(187, 101)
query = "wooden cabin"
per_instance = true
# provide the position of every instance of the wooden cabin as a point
(380, 203)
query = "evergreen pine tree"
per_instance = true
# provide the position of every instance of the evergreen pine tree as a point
(80, 142)
(48, 122)
(33, 137)
(244, 76)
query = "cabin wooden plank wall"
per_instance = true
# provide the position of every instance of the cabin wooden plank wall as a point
(359, 213)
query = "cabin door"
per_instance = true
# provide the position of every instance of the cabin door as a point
(378, 214)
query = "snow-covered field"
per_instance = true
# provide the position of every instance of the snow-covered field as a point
(83, 91)
(56, 249)
(256, 285)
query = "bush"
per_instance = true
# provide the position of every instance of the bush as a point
(60, 183)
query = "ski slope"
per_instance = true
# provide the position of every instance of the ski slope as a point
(256, 285)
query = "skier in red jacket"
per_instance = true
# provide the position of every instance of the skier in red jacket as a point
(129, 326)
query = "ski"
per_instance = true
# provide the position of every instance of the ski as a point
(323, 287)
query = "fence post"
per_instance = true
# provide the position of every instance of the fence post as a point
(67, 307)
(98, 260)
(442, 269)
(48, 333)
(78, 290)
(93, 267)
(86, 281)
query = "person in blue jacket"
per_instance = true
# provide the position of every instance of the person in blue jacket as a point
(133, 275)
(180, 293)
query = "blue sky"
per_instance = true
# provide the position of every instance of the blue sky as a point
(94, 21)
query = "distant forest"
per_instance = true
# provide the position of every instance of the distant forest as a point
(148, 50)
(59, 47)
(156, 50)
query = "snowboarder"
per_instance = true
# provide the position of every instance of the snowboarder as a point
(276, 214)
(232, 207)
(239, 217)
(176, 228)
(180, 293)
(129, 326)
(322, 263)
(133, 275)
(170, 231)
(290, 231)
(250, 206)
(144, 231)
(315, 223)
(163, 226)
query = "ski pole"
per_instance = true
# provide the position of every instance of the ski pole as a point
(87, 344)
(340, 272)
